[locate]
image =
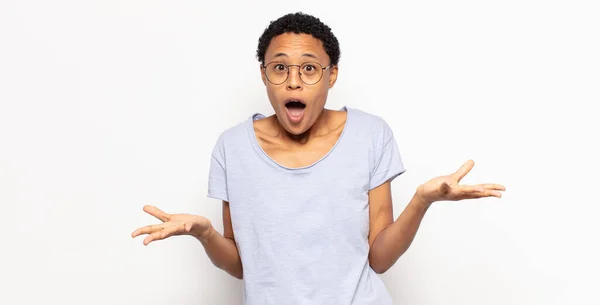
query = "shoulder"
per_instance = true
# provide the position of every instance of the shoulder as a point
(367, 118)
(231, 137)
(373, 125)
(385, 161)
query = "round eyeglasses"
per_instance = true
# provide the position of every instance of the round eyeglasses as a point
(310, 73)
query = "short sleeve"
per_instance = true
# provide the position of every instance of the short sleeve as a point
(387, 163)
(217, 178)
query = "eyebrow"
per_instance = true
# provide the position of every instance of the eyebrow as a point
(304, 54)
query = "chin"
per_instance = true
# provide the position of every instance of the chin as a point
(292, 128)
(297, 131)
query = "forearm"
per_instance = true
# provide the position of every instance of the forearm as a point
(222, 252)
(394, 240)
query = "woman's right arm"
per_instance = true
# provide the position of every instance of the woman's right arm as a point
(221, 249)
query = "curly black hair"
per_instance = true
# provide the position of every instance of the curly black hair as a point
(300, 23)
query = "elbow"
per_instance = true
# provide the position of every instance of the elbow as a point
(237, 273)
(381, 264)
(380, 269)
(234, 270)
(378, 266)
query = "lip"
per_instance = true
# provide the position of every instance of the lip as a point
(292, 118)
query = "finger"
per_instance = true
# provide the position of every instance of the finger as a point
(477, 195)
(463, 170)
(467, 192)
(156, 212)
(480, 188)
(162, 234)
(494, 186)
(493, 194)
(487, 193)
(147, 230)
(469, 189)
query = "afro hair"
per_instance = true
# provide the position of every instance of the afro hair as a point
(300, 23)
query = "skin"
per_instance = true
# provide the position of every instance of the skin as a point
(297, 145)
(301, 144)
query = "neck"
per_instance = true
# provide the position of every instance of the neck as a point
(319, 128)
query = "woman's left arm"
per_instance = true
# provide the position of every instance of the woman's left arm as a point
(389, 239)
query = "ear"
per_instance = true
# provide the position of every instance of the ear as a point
(262, 74)
(333, 75)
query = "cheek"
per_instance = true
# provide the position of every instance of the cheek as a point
(272, 94)
(321, 94)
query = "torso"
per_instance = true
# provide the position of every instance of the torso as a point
(300, 212)
(295, 155)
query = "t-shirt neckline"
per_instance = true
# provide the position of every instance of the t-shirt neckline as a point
(268, 158)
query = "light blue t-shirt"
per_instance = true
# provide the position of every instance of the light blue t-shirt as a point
(302, 233)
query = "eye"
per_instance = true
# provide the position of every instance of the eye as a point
(309, 68)
(280, 67)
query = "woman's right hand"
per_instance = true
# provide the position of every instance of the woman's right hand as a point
(172, 225)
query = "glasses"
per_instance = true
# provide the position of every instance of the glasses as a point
(310, 73)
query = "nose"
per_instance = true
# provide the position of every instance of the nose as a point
(294, 82)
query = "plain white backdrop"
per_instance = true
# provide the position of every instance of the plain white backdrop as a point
(106, 106)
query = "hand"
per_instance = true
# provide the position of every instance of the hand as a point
(447, 188)
(173, 224)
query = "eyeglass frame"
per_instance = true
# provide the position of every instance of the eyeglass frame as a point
(299, 73)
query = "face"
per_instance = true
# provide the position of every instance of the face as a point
(296, 103)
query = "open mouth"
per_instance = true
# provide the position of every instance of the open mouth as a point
(295, 109)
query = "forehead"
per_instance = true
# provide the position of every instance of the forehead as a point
(291, 45)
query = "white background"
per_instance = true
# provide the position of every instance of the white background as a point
(106, 106)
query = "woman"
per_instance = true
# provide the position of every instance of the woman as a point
(307, 206)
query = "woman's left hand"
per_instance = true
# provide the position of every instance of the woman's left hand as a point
(446, 188)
